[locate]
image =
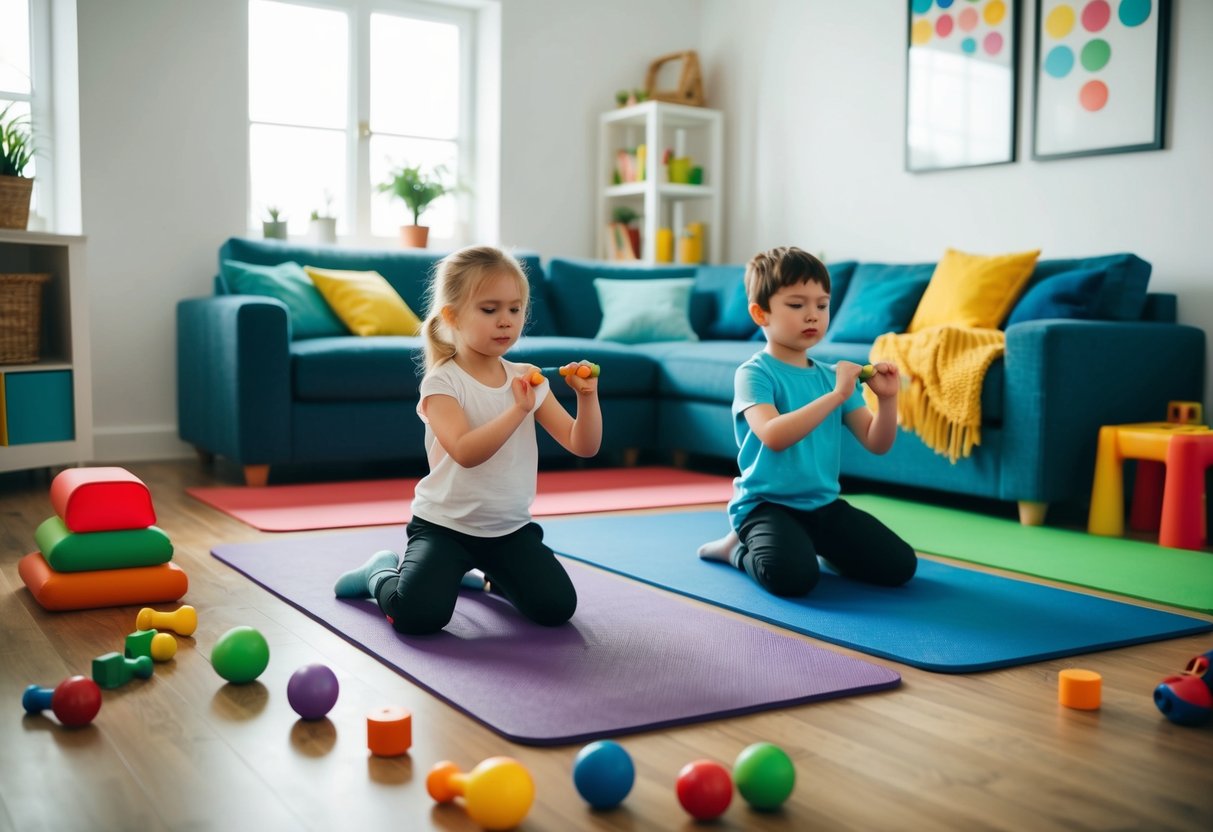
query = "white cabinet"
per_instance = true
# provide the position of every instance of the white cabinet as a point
(688, 132)
(47, 405)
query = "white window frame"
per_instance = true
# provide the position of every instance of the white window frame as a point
(359, 188)
(41, 110)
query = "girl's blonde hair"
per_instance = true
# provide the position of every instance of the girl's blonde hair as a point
(456, 279)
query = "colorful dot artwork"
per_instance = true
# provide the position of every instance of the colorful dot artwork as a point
(981, 23)
(1062, 40)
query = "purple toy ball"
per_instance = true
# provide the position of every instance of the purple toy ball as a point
(312, 691)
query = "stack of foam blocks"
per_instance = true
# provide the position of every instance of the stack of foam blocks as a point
(102, 547)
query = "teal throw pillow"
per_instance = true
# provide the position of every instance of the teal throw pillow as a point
(1073, 295)
(641, 311)
(310, 315)
(734, 323)
(880, 299)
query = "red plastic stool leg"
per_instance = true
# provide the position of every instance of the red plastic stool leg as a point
(1183, 503)
(1146, 512)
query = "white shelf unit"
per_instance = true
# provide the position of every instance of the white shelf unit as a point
(694, 131)
(65, 344)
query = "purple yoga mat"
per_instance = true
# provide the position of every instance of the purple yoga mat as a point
(633, 658)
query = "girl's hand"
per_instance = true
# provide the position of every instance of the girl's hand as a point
(887, 381)
(524, 393)
(583, 386)
(846, 376)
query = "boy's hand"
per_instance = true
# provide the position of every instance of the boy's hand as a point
(583, 386)
(524, 393)
(886, 382)
(846, 377)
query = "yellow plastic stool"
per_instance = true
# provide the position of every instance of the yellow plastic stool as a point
(1144, 441)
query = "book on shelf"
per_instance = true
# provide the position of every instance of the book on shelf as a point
(621, 242)
(629, 165)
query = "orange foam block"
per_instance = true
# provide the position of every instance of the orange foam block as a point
(101, 588)
(389, 731)
(1079, 689)
(102, 500)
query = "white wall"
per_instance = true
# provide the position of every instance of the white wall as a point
(814, 99)
(561, 64)
(163, 123)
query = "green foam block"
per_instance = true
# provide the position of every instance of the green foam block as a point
(68, 551)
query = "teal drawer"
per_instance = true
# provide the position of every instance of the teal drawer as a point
(38, 407)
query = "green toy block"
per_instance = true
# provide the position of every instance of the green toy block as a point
(68, 551)
(139, 643)
(113, 670)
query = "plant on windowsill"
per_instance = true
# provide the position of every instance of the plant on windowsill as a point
(275, 227)
(324, 225)
(16, 151)
(417, 188)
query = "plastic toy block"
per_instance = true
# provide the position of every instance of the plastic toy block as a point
(68, 551)
(389, 731)
(102, 500)
(1079, 689)
(101, 588)
(113, 670)
(139, 643)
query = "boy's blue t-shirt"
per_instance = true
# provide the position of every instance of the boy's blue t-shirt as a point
(804, 476)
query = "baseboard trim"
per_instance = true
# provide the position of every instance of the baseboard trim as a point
(140, 443)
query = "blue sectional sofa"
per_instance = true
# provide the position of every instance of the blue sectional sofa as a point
(250, 392)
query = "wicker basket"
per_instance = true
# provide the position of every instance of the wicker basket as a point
(14, 201)
(21, 317)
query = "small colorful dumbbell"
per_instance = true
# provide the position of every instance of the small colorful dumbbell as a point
(586, 370)
(74, 701)
(113, 670)
(182, 621)
(160, 646)
(497, 793)
(867, 371)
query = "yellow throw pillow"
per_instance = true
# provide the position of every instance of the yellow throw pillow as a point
(365, 302)
(973, 289)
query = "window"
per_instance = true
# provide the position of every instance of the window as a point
(342, 92)
(16, 67)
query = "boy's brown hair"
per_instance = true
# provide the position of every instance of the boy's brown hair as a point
(769, 271)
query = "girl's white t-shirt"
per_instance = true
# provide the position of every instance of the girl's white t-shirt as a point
(494, 498)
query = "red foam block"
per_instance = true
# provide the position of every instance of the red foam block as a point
(102, 500)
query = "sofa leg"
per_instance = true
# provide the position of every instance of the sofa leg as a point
(205, 457)
(1032, 513)
(679, 458)
(256, 476)
(630, 457)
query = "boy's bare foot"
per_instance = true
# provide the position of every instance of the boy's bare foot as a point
(722, 549)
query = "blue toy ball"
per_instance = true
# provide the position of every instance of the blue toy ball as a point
(603, 774)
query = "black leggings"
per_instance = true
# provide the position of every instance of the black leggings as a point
(780, 545)
(421, 599)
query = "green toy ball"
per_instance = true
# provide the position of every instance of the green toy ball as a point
(764, 775)
(240, 655)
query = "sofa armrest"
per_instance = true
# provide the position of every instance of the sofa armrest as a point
(233, 377)
(1065, 379)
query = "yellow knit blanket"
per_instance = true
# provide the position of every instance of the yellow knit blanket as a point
(943, 369)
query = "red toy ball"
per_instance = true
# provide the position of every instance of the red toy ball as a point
(76, 701)
(704, 789)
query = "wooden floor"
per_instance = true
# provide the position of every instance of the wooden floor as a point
(184, 751)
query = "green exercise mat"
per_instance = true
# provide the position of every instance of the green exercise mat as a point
(68, 551)
(1179, 577)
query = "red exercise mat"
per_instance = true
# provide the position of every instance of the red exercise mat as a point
(336, 505)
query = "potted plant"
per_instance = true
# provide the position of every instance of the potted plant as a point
(418, 189)
(324, 225)
(16, 151)
(274, 228)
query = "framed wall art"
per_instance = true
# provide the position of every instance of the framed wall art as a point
(961, 68)
(1100, 76)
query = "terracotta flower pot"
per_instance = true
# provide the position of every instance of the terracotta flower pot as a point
(414, 236)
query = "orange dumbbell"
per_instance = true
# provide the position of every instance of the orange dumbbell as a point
(497, 793)
(183, 621)
(587, 370)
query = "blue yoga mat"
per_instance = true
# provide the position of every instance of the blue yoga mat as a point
(947, 619)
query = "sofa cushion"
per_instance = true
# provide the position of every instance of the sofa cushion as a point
(379, 367)
(973, 289)
(1073, 295)
(880, 298)
(720, 305)
(702, 371)
(310, 316)
(1122, 296)
(365, 302)
(574, 301)
(841, 275)
(641, 311)
(625, 370)
(407, 270)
